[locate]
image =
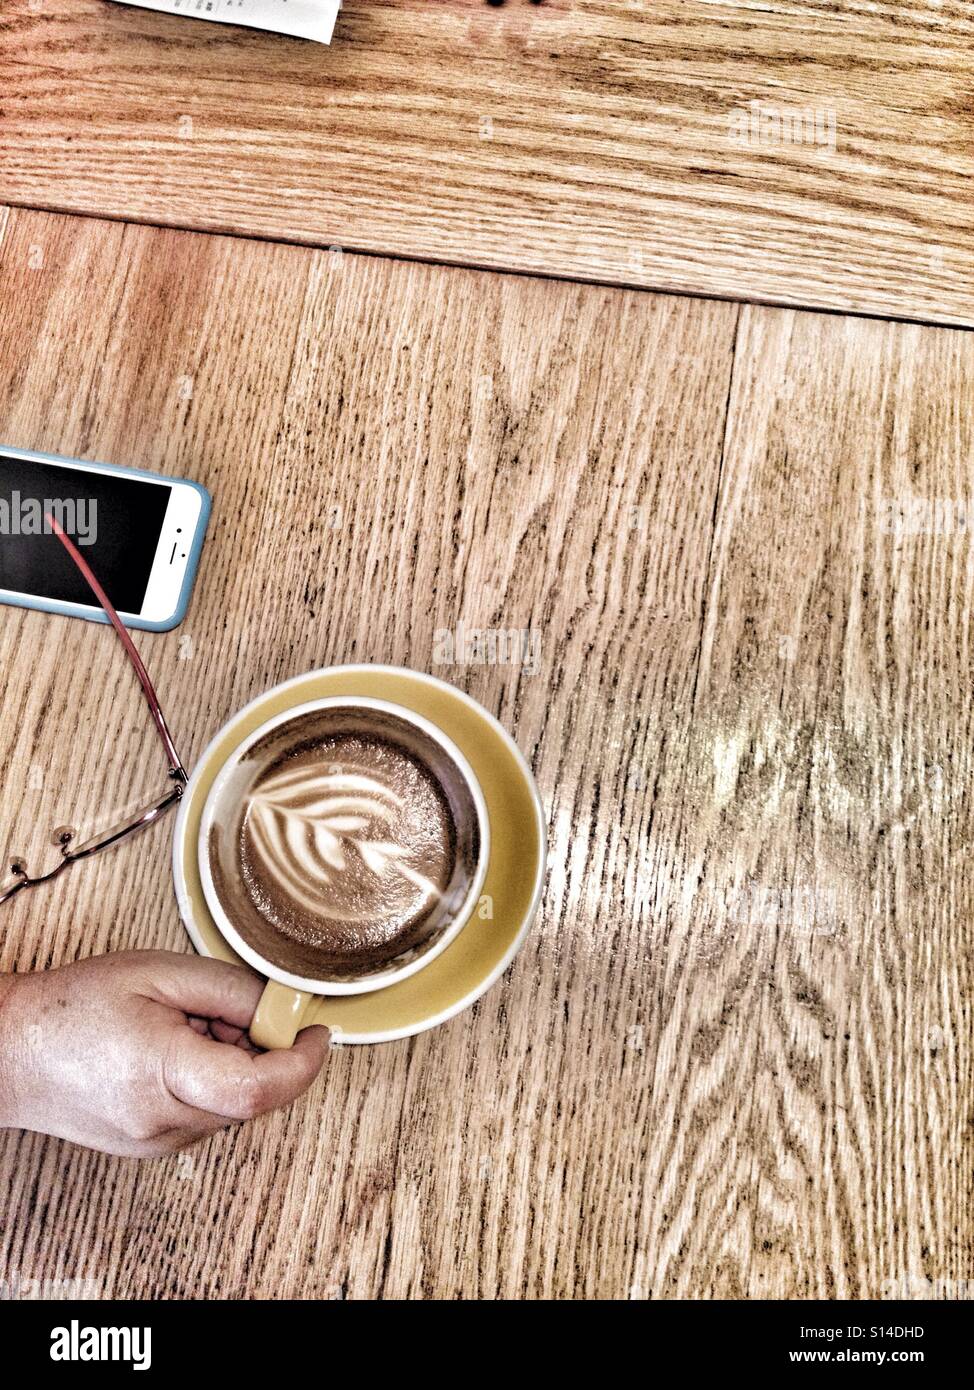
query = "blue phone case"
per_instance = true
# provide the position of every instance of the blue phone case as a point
(95, 614)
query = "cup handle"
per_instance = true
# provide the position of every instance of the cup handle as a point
(277, 1021)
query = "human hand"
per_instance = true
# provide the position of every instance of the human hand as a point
(142, 1052)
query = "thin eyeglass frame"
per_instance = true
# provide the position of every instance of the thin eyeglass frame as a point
(147, 815)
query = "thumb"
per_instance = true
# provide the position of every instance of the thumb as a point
(238, 1085)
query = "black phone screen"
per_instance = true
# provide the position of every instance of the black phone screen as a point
(114, 520)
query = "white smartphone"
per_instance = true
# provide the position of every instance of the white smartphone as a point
(140, 532)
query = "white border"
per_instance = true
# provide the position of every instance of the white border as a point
(165, 582)
(390, 1035)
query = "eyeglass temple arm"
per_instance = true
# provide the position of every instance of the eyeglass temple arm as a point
(177, 772)
(145, 817)
(176, 769)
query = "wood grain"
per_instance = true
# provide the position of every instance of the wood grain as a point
(813, 1068)
(593, 139)
(690, 1083)
(391, 448)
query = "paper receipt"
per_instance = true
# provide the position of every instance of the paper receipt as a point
(303, 19)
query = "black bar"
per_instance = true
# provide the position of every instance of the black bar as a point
(731, 1338)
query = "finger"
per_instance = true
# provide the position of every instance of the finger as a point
(205, 988)
(199, 1025)
(238, 1085)
(226, 1032)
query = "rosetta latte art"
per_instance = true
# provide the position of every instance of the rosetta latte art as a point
(313, 827)
(349, 846)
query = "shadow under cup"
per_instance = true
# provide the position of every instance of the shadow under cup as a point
(343, 846)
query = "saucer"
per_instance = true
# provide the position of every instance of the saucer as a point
(485, 947)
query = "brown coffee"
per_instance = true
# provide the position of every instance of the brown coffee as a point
(345, 855)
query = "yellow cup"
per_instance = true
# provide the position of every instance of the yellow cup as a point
(280, 1015)
(287, 998)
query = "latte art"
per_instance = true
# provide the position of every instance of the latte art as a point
(344, 844)
(309, 828)
(343, 854)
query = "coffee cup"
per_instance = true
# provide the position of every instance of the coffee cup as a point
(342, 847)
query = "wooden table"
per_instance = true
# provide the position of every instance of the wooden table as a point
(803, 152)
(734, 1057)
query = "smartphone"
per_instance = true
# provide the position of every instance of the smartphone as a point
(140, 532)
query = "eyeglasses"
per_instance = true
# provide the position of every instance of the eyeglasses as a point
(148, 815)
